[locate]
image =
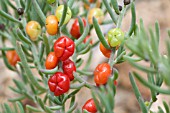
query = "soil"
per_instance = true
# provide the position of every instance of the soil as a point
(125, 101)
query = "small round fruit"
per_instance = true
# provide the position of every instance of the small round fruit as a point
(20, 11)
(106, 52)
(68, 68)
(126, 2)
(75, 29)
(97, 13)
(59, 13)
(33, 29)
(64, 48)
(52, 25)
(59, 83)
(102, 73)
(115, 37)
(51, 61)
(12, 57)
(90, 106)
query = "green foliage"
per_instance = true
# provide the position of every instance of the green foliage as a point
(142, 43)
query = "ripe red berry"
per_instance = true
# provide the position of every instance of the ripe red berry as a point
(68, 68)
(75, 29)
(64, 48)
(59, 83)
(51, 61)
(90, 106)
(102, 73)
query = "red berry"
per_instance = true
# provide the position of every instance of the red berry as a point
(64, 48)
(75, 29)
(59, 83)
(102, 73)
(68, 68)
(51, 61)
(90, 106)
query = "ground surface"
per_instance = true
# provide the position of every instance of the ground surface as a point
(150, 11)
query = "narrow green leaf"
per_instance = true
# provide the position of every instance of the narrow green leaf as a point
(46, 42)
(166, 107)
(72, 101)
(115, 6)
(39, 11)
(72, 108)
(140, 67)
(57, 101)
(63, 15)
(81, 24)
(47, 109)
(20, 107)
(9, 17)
(142, 105)
(19, 84)
(41, 52)
(134, 86)
(55, 107)
(85, 111)
(132, 58)
(65, 31)
(84, 72)
(79, 63)
(87, 49)
(22, 37)
(31, 108)
(51, 71)
(115, 73)
(10, 4)
(151, 86)
(77, 86)
(28, 95)
(153, 93)
(86, 67)
(157, 32)
(73, 93)
(7, 48)
(94, 95)
(9, 66)
(103, 100)
(100, 34)
(16, 99)
(82, 46)
(40, 102)
(83, 36)
(15, 90)
(137, 94)
(26, 67)
(110, 11)
(80, 79)
(7, 108)
(133, 21)
(28, 5)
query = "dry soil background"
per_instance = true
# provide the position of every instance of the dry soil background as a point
(150, 11)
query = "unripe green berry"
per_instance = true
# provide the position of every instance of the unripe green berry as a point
(115, 37)
(59, 13)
